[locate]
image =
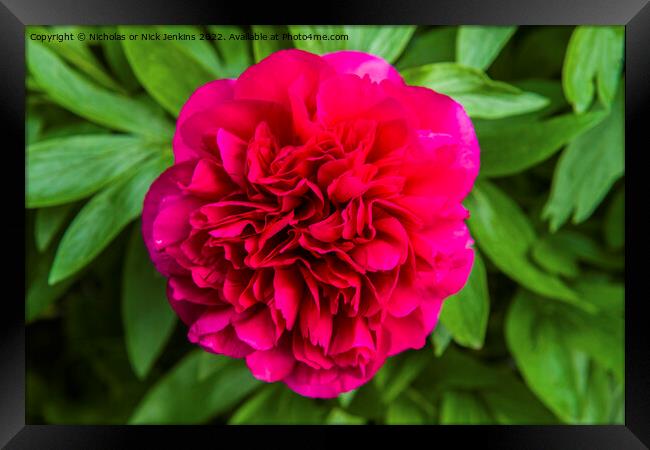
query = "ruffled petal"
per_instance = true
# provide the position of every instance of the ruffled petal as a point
(203, 99)
(362, 64)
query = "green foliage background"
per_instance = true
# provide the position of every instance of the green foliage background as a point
(536, 336)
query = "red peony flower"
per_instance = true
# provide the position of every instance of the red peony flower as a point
(312, 222)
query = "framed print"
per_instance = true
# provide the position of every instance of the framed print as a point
(388, 215)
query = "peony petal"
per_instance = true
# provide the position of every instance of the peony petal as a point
(233, 154)
(289, 291)
(167, 184)
(270, 365)
(351, 333)
(271, 79)
(257, 329)
(210, 322)
(362, 64)
(203, 99)
(209, 181)
(226, 342)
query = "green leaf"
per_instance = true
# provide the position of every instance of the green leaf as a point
(116, 59)
(555, 258)
(555, 347)
(234, 55)
(276, 404)
(587, 169)
(264, 47)
(48, 223)
(79, 54)
(178, 398)
(367, 402)
(75, 93)
(456, 369)
(440, 339)
(552, 368)
(465, 314)
(601, 400)
(511, 148)
(200, 50)
(614, 223)
(337, 416)
(506, 398)
(585, 249)
(147, 317)
(399, 371)
(480, 96)
(387, 42)
(435, 45)
(33, 128)
(346, 398)
(497, 219)
(511, 403)
(463, 408)
(208, 365)
(607, 296)
(40, 294)
(549, 89)
(168, 73)
(539, 52)
(405, 411)
(102, 218)
(73, 129)
(478, 46)
(67, 169)
(594, 55)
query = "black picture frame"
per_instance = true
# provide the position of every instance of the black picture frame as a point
(16, 14)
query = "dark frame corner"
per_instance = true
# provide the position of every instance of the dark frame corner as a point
(635, 14)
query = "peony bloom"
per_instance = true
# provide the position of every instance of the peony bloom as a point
(312, 222)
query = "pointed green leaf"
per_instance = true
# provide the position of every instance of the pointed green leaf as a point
(41, 294)
(398, 373)
(387, 42)
(478, 46)
(79, 54)
(337, 416)
(276, 404)
(48, 223)
(75, 93)
(587, 169)
(432, 46)
(440, 339)
(405, 411)
(465, 314)
(178, 398)
(594, 55)
(556, 346)
(480, 96)
(463, 408)
(147, 317)
(200, 50)
(552, 368)
(234, 55)
(264, 47)
(168, 73)
(116, 59)
(512, 148)
(102, 218)
(496, 219)
(63, 170)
